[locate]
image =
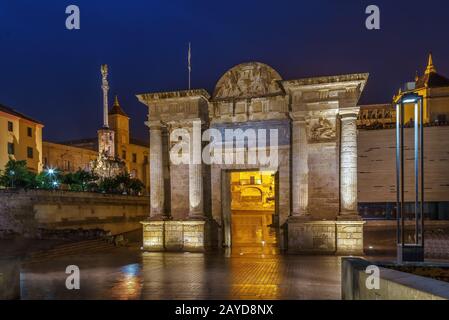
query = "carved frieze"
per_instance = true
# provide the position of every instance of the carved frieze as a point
(321, 129)
(248, 80)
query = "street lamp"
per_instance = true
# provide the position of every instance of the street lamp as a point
(410, 251)
(51, 172)
(12, 173)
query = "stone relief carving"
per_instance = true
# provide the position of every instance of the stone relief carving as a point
(248, 80)
(321, 130)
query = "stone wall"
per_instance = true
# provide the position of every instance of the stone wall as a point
(25, 212)
(325, 237)
(323, 180)
(174, 236)
(394, 285)
(377, 166)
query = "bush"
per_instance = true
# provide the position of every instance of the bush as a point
(121, 184)
(48, 181)
(79, 180)
(17, 175)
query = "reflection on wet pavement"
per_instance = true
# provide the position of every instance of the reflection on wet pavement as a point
(131, 274)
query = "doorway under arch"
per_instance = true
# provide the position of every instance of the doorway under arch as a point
(250, 215)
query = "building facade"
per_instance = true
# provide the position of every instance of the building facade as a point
(67, 158)
(315, 191)
(20, 139)
(377, 142)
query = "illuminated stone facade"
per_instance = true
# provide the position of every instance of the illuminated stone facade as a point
(315, 173)
(67, 158)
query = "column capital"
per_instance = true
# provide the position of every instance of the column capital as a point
(185, 123)
(299, 116)
(154, 124)
(349, 113)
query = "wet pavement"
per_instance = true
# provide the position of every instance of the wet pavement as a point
(128, 273)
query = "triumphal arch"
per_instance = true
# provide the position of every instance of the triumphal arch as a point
(271, 164)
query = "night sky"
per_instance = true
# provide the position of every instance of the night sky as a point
(53, 74)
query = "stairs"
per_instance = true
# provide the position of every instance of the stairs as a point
(73, 248)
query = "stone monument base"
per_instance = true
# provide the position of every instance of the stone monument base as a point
(174, 235)
(340, 237)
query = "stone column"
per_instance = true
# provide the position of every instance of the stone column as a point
(156, 171)
(195, 172)
(300, 184)
(348, 163)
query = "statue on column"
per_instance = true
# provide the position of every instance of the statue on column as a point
(107, 163)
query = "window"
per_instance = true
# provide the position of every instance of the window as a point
(29, 132)
(67, 166)
(10, 126)
(145, 159)
(124, 154)
(30, 153)
(10, 148)
(134, 157)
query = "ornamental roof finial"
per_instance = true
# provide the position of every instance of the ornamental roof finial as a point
(430, 67)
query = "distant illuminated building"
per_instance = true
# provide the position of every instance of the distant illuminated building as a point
(432, 86)
(20, 139)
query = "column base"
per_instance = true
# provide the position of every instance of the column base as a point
(299, 218)
(198, 217)
(159, 217)
(349, 216)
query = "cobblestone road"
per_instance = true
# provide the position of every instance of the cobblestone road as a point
(130, 274)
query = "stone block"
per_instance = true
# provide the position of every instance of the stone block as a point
(311, 237)
(349, 237)
(153, 235)
(174, 235)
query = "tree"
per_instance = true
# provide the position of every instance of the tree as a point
(49, 179)
(108, 185)
(17, 175)
(136, 186)
(79, 180)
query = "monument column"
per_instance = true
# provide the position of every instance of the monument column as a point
(300, 175)
(349, 225)
(348, 163)
(156, 171)
(196, 209)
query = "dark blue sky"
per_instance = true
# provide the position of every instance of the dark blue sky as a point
(53, 74)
